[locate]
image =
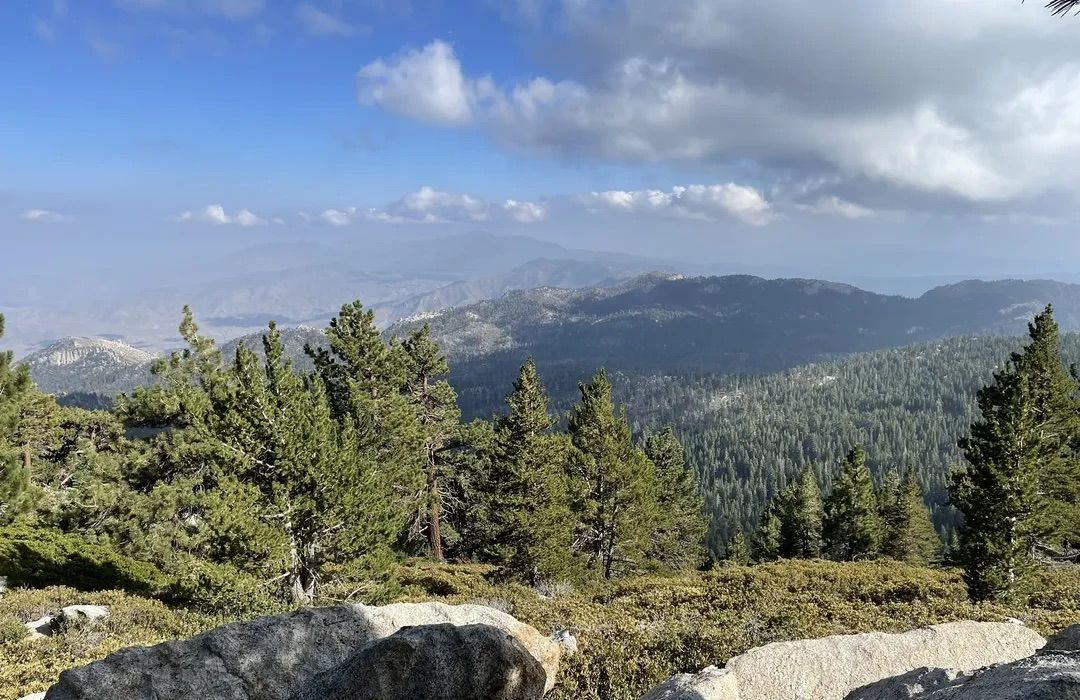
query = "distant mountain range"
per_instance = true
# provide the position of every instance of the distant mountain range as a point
(733, 324)
(90, 371)
(306, 282)
(655, 323)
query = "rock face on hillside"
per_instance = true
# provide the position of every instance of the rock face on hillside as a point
(434, 662)
(273, 657)
(831, 667)
(1052, 675)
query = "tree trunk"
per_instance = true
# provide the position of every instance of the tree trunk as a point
(434, 512)
(301, 576)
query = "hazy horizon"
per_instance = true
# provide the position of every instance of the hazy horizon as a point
(235, 153)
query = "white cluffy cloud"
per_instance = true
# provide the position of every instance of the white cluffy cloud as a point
(431, 206)
(216, 214)
(703, 202)
(45, 216)
(799, 88)
(425, 84)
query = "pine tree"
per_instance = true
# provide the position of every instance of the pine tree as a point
(367, 380)
(439, 426)
(801, 517)
(767, 535)
(528, 499)
(377, 387)
(852, 527)
(311, 491)
(615, 483)
(679, 534)
(998, 493)
(1053, 393)
(909, 533)
(737, 550)
(17, 493)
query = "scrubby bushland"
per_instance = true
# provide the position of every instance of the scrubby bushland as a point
(31, 666)
(632, 633)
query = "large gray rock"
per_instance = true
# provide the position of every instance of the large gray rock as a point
(1066, 640)
(271, 657)
(912, 684)
(435, 662)
(831, 667)
(1052, 675)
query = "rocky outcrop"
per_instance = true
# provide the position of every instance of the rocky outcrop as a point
(1066, 640)
(48, 625)
(83, 612)
(435, 662)
(908, 685)
(272, 657)
(831, 667)
(1053, 675)
(711, 683)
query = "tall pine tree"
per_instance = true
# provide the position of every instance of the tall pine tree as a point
(1053, 392)
(852, 526)
(313, 495)
(679, 534)
(614, 482)
(438, 421)
(998, 493)
(801, 517)
(527, 494)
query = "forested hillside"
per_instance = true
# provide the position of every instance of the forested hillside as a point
(747, 435)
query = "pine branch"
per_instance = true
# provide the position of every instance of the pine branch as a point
(1063, 7)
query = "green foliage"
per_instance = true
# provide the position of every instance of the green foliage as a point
(526, 495)
(1056, 409)
(12, 630)
(438, 423)
(852, 527)
(132, 621)
(767, 543)
(1020, 494)
(614, 485)
(632, 633)
(39, 557)
(679, 530)
(998, 493)
(17, 494)
(909, 533)
(738, 550)
(791, 526)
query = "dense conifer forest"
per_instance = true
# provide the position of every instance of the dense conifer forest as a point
(747, 436)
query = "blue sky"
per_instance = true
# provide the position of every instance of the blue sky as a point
(785, 136)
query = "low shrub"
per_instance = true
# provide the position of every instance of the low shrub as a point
(31, 666)
(39, 557)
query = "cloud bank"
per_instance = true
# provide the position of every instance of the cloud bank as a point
(969, 101)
